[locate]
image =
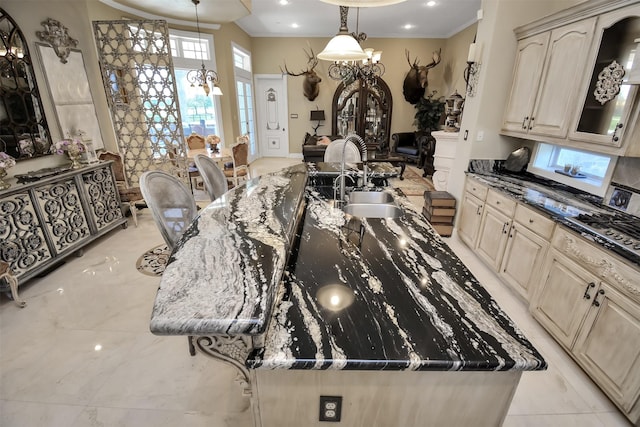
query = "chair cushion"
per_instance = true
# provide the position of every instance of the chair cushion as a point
(410, 150)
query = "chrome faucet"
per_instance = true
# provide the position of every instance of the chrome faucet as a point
(363, 156)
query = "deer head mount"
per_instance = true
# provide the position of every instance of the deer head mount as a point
(310, 86)
(415, 83)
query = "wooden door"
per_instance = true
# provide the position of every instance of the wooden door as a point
(564, 66)
(526, 78)
(272, 115)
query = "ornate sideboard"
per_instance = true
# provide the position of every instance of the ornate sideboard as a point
(44, 221)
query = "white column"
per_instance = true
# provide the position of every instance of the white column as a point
(446, 145)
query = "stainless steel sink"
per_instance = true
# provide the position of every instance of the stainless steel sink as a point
(370, 197)
(373, 210)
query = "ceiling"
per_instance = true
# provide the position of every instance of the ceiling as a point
(314, 18)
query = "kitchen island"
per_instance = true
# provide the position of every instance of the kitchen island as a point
(306, 301)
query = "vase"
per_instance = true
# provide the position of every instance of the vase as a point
(3, 184)
(75, 160)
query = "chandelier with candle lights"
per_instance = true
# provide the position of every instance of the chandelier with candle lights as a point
(201, 76)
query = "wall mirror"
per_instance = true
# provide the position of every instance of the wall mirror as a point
(68, 87)
(23, 127)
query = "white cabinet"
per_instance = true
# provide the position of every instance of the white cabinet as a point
(589, 301)
(526, 77)
(494, 228)
(471, 210)
(546, 79)
(600, 123)
(526, 248)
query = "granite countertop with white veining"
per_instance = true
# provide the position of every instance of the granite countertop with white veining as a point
(559, 202)
(224, 274)
(374, 294)
(388, 296)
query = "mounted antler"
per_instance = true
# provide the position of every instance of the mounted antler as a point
(310, 84)
(415, 83)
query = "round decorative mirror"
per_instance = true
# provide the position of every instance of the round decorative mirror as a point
(23, 127)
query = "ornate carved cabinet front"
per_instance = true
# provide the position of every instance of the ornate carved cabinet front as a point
(363, 109)
(44, 221)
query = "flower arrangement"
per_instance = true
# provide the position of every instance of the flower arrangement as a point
(71, 147)
(213, 141)
(6, 161)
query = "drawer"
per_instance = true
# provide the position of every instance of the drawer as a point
(502, 203)
(609, 268)
(477, 189)
(534, 221)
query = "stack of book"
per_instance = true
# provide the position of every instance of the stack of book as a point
(440, 209)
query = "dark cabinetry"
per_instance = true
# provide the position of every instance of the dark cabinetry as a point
(364, 109)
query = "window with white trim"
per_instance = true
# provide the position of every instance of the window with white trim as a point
(200, 113)
(585, 170)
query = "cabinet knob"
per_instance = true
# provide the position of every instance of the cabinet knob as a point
(530, 221)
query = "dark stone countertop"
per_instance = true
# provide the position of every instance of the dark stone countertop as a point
(559, 202)
(376, 294)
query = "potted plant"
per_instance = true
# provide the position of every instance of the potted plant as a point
(429, 112)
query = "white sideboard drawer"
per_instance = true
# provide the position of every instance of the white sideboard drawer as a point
(534, 221)
(502, 203)
(477, 189)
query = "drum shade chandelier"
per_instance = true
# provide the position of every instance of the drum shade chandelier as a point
(351, 62)
(201, 76)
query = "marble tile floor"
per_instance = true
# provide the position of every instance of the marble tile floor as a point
(81, 354)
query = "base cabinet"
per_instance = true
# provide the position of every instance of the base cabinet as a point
(522, 258)
(493, 236)
(471, 210)
(44, 221)
(589, 302)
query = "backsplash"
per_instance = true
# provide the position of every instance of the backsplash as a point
(624, 192)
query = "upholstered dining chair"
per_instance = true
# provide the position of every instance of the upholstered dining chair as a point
(215, 181)
(240, 168)
(129, 195)
(171, 203)
(195, 141)
(333, 153)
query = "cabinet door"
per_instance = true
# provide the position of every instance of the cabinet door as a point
(22, 241)
(102, 196)
(526, 78)
(493, 236)
(564, 66)
(564, 297)
(608, 346)
(469, 221)
(63, 215)
(605, 122)
(523, 258)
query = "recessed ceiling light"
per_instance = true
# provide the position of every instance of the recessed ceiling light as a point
(408, 26)
(284, 2)
(431, 3)
(294, 25)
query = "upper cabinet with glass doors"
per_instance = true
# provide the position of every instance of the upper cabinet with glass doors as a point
(566, 88)
(607, 100)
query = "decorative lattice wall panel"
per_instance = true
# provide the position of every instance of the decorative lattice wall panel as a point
(137, 73)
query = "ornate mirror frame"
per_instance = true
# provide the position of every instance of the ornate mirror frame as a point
(23, 127)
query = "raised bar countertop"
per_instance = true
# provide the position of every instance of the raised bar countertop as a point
(376, 294)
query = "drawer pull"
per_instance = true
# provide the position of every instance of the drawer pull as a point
(595, 300)
(497, 202)
(586, 291)
(530, 221)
